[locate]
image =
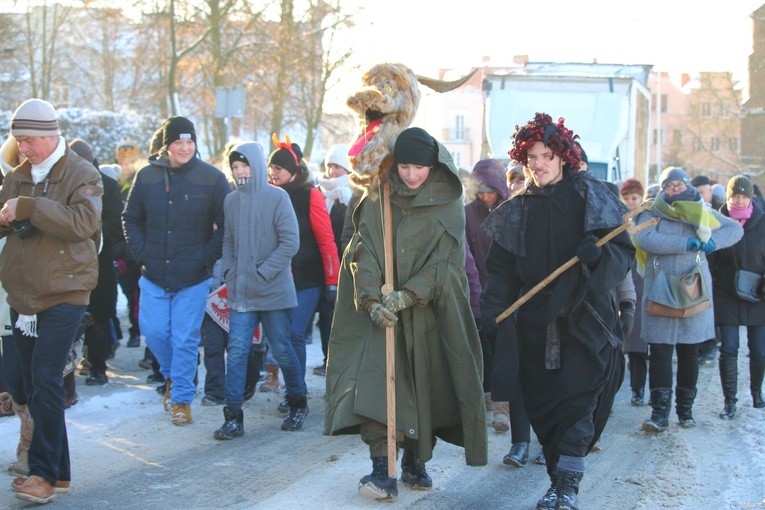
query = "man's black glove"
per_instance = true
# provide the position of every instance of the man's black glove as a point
(489, 325)
(627, 317)
(331, 294)
(589, 252)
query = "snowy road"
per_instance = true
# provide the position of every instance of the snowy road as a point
(127, 455)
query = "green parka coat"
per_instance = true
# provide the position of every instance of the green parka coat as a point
(438, 356)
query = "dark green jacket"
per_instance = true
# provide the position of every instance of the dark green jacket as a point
(438, 356)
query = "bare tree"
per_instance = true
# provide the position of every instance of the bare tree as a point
(42, 32)
(322, 59)
(99, 57)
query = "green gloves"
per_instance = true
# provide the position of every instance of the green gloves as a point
(381, 316)
(398, 300)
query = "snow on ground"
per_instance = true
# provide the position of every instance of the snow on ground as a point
(126, 454)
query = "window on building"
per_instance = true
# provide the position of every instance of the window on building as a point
(459, 126)
(60, 93)
(715, 143)
(697, 145)
(706, 109)
(664, 102)
(733, 144)
(658, 136)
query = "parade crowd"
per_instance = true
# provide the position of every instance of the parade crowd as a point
(680, 273)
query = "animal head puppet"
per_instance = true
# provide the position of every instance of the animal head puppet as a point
(385, 105)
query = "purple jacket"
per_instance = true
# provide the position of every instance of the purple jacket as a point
(489, 172)
(473, 282)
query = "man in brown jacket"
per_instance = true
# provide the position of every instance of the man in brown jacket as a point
(51, 215)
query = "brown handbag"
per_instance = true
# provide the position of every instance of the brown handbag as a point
(679, 296)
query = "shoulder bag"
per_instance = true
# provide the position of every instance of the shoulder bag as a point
(746, 283)
(678, 296)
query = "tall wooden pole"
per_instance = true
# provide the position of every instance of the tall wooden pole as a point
(390, 333)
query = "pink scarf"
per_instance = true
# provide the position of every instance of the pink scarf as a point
(740, 214)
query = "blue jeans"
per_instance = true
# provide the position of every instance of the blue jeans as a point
(276, 326)
(12, 374)
(42, 365)
(300, 317)
(729, 341)
(171, 323)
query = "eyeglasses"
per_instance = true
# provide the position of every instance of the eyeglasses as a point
(547, 156)
(678, 186)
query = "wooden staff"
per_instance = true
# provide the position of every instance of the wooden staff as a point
(390, 332)
(570, 263)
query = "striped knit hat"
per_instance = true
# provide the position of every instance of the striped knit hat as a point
(35, 117)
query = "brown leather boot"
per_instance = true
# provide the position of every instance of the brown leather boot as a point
(501, 416)
(181, 414)
(21, 465)
(271, 382)
(71, 391)
(166, 402)
(6, 404)
(61, 487)
(37, 490)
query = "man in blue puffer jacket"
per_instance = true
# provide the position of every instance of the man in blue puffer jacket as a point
(173, 223)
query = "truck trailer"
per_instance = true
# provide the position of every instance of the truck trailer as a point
(607, 105)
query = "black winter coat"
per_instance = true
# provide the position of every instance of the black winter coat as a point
(173, 221)
(749, 254)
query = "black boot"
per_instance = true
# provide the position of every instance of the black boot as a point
(233, 427)
(637, 397)
(297, 413)
(756, 373)
(97, 377)
(568, 488)
(378, 485)
(413, 473)
(518, 455)
(660, 401)
(684, 398)
(550, 499)
(729, 380)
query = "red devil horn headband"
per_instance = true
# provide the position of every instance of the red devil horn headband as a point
(286, 145)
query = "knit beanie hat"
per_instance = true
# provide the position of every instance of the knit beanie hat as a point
(82, 149)
(237, 156)
(287, 155)
(178, 128)
(338, 154)
(651, 192)
(632, 185)
(35, 117)
(700, 180)
(674, 173)
(415, 146)
(515, 171)
(155, 144)
(739, 185)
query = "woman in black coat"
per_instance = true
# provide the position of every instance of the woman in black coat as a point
(732, 311)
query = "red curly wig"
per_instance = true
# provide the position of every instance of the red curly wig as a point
(555, 136)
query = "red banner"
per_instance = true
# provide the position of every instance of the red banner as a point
(217, 309)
